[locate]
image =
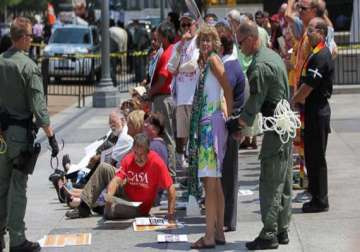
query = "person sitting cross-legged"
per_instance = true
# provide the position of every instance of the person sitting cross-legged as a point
(141, 173)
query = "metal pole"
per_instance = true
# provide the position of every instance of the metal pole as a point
(5, 14)
(105, 45)
(106, 95)
(162, 10)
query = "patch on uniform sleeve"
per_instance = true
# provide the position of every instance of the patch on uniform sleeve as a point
(315, 73)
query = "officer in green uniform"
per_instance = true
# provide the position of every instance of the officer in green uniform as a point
(21, 99)
(268, 85)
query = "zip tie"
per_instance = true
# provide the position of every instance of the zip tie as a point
(284, 122)
(3, 146)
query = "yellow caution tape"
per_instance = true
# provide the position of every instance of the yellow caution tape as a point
(42, 45)
(3, 146)
(349, 47)
(96, 56)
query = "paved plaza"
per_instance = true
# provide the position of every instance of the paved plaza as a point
(336, 230)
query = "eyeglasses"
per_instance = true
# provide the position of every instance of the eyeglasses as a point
(30, 35)
(310, 30)
(303, 8)
(184, 25)
(242, 41)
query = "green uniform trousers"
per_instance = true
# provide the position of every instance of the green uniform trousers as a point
(275, 185)
(13, 185)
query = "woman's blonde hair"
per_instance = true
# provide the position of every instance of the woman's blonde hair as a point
(209, 31)
(136, 118)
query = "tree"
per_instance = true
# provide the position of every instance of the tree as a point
(180, 6)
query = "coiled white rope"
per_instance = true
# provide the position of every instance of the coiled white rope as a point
(284, 122)
(3, 146)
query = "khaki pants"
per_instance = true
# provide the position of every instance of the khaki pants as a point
(13, 185)
(164, 104)
(96, 184)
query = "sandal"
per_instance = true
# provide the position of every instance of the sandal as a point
(200, 244)
(220, 242)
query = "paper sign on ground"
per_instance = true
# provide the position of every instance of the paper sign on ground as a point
(63, 240)
(172, 238)
(151, 221)
(154, 228)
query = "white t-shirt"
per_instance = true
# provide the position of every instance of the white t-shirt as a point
(184, 83)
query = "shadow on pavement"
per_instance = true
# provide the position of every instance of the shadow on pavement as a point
(185, 246)
(113, 225)
(248, 182)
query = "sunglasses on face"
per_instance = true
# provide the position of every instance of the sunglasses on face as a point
(184, 25)
(303, 8)
(311, 30)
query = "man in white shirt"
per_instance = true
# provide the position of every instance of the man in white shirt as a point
(183, 66)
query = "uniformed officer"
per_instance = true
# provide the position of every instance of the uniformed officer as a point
(21, 99)
(315, 90)
(268, 85)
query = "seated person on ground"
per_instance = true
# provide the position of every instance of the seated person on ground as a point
(115, 152)
(141, 173)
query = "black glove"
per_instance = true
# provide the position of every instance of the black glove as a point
(54, 146)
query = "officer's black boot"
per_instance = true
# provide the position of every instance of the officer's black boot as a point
(283, 238)
(262, 244)
(26, 246)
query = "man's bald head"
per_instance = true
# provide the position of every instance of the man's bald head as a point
(248, 38)
(247, 29)
(319, 24)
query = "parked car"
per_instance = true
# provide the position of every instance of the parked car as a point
(4, 29)
(70, 53)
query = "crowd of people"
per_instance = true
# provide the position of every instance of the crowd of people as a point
(206, 84)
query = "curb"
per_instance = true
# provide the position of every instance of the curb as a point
(346, 89)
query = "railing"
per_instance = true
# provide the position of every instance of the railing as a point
(347, 64)
(77, 75)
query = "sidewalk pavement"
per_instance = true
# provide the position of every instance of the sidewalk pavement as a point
(336, 230)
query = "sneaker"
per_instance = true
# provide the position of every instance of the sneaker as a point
(262, 244)
(66, 160)
(283, 238)
(82, 211)
(26, 246)
(305, 196)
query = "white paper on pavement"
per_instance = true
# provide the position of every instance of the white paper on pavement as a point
(172, 238)
(90, 151)
(151, 221)
(245, 192)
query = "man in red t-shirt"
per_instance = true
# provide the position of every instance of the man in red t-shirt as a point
(160, 90)
(141, 173)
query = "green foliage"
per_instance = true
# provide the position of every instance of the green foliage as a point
(24, 4)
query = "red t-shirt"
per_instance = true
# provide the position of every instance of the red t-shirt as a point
(143, 182)
(161, 70)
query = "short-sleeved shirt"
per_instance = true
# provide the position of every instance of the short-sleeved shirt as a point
(319, 74)
(21, 88)
(143, 182)
(161, 70)
(236, 79)
(158, 145)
